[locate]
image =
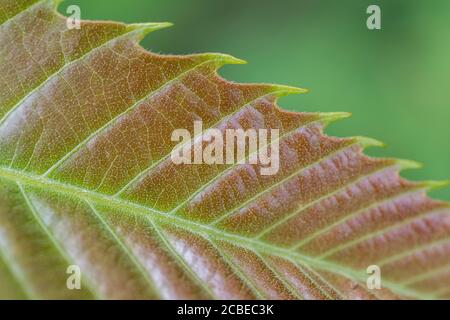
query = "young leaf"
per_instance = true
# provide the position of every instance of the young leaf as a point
(86, 178)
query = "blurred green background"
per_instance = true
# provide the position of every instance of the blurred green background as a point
(395, 81)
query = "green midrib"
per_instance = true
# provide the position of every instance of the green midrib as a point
(41, 183)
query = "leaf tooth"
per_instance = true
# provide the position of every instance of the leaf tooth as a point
(404, 164)
(434, 185)
(282, 90)
(222, 58)
(329, 117)
(367, 142)
(140, 30)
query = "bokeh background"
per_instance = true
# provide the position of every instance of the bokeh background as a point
(395, 81)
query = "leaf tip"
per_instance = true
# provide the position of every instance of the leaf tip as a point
(281, 90)
(329, 117)
(225, 58)
(366, 142)
(434, 185)
(408, 164)
(142, 29)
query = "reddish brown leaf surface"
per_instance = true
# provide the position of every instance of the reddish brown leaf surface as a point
(86, 179)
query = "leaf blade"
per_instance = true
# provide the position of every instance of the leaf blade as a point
(104, 142)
